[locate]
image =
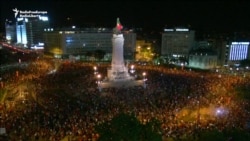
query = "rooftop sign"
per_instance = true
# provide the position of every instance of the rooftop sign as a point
(176, 29)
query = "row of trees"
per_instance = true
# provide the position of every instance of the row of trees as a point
(245, 63)
(125, 127)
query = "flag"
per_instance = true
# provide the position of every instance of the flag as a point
(118, 24)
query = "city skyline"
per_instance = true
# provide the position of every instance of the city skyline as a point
(154, 15)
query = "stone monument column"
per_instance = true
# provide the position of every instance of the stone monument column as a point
(118, 75)
(117, 53)
(118, 71)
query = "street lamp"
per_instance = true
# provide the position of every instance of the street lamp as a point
(198, 116)
(144, 79)
(99, 82)
(132, 70)
(182, 66)
(95, 69)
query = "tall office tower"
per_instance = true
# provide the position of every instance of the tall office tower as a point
(29, 31)
(21, 31)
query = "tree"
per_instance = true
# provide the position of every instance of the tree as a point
(99, 54)
(89, 54)
(213, 135)
(243, 92)
(151, 131)
(124, 127)
(237, 135)
(231, 134)
(245, 63)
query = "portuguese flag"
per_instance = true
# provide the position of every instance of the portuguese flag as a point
(118, 24)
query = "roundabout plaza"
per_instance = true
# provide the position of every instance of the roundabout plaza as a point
(55, 99)
(64, 101)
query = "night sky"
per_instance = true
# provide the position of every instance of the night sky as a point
(154, 15)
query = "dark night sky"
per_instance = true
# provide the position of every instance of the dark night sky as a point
(152, 15)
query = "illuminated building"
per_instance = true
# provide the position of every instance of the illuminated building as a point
(203, 58)
(238, 51)
(86, 41)
(30, 30)
(21, 32)
(10, 31)
(177, 42)
(143, 50)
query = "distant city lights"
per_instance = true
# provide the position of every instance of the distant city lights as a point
(168, 29)
(181, 29)
(176, 29)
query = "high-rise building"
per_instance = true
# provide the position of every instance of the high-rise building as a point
(21, 32)
(10, 30)
(177, 42)
(29, 31)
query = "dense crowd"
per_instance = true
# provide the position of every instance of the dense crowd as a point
(67, 103)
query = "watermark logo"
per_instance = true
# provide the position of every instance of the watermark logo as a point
(16, 12)
(28, 13)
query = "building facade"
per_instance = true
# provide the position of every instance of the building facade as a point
(177, 42)
(86, 42)
(10, 30)
(29, 30)
(238, 51)
(203, 58)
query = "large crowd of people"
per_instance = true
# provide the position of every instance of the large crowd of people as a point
(65, 103)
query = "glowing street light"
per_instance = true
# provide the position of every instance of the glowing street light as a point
(95, 70)
(144, 79)
(132, 66)
(132, 70)
(182, 66)
(99, 82)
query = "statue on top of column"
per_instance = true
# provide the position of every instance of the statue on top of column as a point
(118, 28)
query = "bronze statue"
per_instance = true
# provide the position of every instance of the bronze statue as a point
(118, 28)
